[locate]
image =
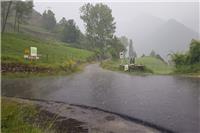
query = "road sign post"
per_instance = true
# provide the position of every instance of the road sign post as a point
(121, 56)
(31, 53)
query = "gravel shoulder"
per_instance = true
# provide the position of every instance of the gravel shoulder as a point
(72, 118)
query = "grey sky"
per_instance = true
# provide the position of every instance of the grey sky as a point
(124, 12)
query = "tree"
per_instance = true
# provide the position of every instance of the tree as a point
(63, 21)
(49, 21)
(60, 27)
(153, 53)
(22, 11)
(143, 55)
(5, 9)
(115, 46)
(194, 52)
(124, 41)
(71, 32)
(99, 23)
(189, 58)
(179, 59)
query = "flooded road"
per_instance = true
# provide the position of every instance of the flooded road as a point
(169, 101)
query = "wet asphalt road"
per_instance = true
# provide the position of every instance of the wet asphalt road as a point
(169, 101)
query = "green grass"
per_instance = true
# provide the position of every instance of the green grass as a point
(152, 64)
(13, 117)
(52, 53)
(156, 65)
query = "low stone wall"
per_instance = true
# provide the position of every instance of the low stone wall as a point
(17, 67)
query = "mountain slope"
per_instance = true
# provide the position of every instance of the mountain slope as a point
(172, 36)
(32, 26)
(149, 32)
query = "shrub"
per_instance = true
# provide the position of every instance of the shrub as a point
(69, 65)
(194, 52)
(189, 61)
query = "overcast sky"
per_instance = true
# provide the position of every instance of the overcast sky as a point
(124, 12)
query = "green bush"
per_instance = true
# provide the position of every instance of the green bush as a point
(189, 61)
(188, 68)
(69, 65)
(194, 52)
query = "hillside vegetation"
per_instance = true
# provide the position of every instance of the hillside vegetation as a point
(56, 58)
(13, 46)
(189, 61)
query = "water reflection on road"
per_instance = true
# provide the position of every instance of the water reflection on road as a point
(169, 101)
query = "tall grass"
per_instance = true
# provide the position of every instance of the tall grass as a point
(13, 118)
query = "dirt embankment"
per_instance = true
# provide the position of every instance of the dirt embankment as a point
(75, 119)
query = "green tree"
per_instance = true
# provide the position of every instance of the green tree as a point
(115, 46)
(63, 21)
(179, 59)
(194, 52)
(99, 23)
(124, 41)
(143, 55)
(71, 32)
(153, 53)
(189, 58)
(60, 27)
(5, 10)
(188, 61)
(22, 11)
(48, 19)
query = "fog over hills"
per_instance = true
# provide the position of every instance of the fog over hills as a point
(152, 33)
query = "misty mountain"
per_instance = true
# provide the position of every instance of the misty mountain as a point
(143, 25)
(172, 36)
(149, 32)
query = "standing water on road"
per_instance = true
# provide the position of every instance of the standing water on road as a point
(168, 101)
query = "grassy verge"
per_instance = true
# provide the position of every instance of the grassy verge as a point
(13, 117)
(189, 70)
(152, 65)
